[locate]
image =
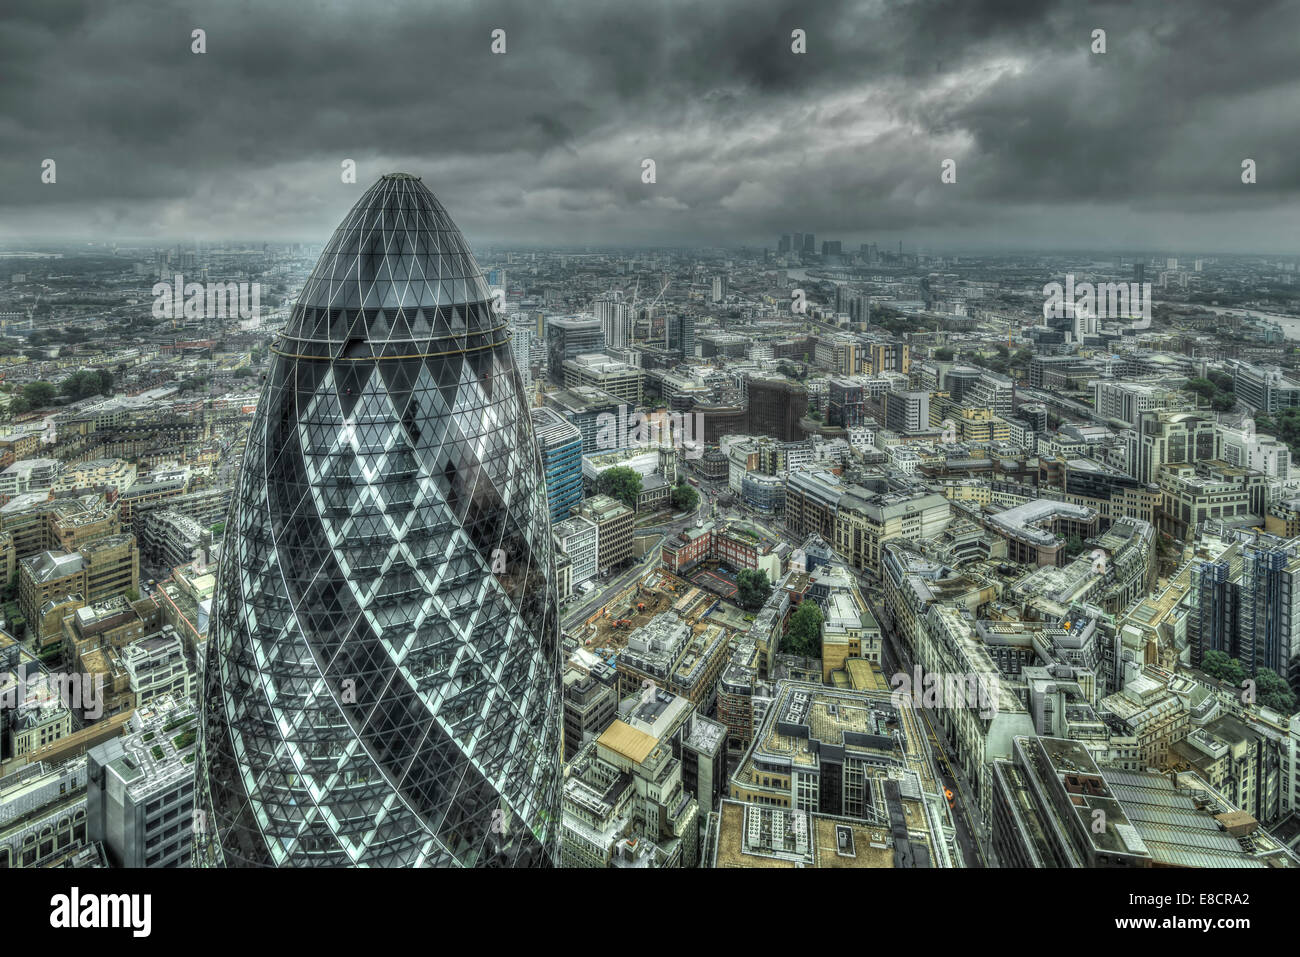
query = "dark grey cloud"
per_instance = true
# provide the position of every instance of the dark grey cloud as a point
(1055, 147)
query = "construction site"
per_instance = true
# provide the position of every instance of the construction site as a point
(606, 632)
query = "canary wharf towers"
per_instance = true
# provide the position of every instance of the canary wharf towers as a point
(382, 681)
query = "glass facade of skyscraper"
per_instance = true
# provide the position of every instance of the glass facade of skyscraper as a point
(382, 681)
(560, 444)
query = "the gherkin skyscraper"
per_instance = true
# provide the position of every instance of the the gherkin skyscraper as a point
(382, 680)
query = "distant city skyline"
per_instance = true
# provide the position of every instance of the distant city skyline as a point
(1056, 147)
(34, 249)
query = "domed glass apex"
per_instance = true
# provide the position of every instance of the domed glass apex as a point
(396, 269)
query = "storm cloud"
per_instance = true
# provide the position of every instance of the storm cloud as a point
(1055, 146)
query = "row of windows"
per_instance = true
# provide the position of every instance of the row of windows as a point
(36, 850)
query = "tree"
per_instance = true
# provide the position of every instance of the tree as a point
(1167, 554)
(1201, 387)
(752, 588)
(621, 483)
(1216, 391)
(1222, 380)
(1213, 663)
(1073, 545)
(38, 394)
(1217, 664)
(685, 498)
(1234, 673)
(87, 382)
(805, 635)
(19, 405)
(1274, 692)
(944, 354)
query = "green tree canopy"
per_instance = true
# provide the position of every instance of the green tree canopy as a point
(1217, 664)
(1073, 545)
(1274, 692)
(685, 498)
(752, 588)
(621, 483)
(38, 394)
(1216, 391)
(1222, 380)
(87, 382)
(805, 635)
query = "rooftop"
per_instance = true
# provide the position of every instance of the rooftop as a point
(628, 741)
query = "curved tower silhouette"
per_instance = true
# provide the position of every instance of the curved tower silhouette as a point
(382, 681)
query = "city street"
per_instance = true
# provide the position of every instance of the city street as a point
(966, 813)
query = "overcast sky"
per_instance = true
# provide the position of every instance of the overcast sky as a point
(1139, 148)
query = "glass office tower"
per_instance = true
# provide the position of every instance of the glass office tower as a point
(382, 682)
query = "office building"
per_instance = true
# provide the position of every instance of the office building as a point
(43, 814)
(1246, 604)
(140, 789)
(598, 371)
(577, 538)
(680, 331)
(614, 522)
(907, 412)
(404, 609)
(615, 318)
(590, 703)
(775, 408)
(560, 444)
(568, 337)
